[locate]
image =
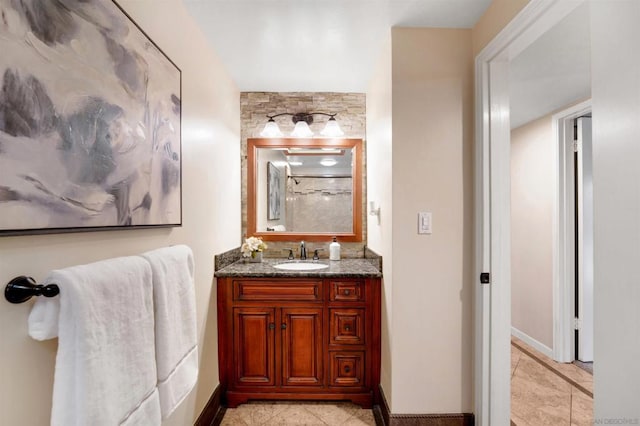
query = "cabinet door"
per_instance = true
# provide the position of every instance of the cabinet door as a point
(302, 347)
(253, 346)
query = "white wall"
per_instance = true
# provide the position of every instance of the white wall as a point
(211, 223)
(532, 181)
(379, 155)
(432, 78)
(615, 68)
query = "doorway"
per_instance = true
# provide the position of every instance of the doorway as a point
(493, 227)
(544, 391)
(583, 299)
(573, 236)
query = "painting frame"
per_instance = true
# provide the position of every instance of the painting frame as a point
(274, 198)
(128, 173)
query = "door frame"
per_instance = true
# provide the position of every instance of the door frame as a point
(563, 231)
(492, 205)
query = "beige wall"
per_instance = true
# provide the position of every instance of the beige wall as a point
(615, 71)
(532, 181)
(211, 224)
(495, 18)
(432, 82)
(379, 156)
(423, 84)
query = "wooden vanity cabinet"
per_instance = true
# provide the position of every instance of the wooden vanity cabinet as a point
(299, 339)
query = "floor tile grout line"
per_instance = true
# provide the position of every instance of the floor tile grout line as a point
(516, 367)
(553, 370)
(314, 415)
(571, 408)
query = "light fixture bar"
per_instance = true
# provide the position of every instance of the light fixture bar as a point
(302, 120)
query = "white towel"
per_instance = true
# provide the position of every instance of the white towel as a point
(175, 317)
(105, 370)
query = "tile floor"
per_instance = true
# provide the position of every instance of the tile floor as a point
(294, 413)
(544, 392)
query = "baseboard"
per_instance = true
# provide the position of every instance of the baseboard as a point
(385, 413)
(213, 412)
(450, 419)
(540, 347)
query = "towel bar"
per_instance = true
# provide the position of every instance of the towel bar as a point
(20, 289)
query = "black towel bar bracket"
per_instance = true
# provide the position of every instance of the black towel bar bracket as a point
(20, 289)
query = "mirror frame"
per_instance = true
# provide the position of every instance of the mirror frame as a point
(348, 143)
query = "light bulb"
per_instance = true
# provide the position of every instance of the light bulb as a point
(332, 129)
(302, 130)
(271, 130)
(328, 162)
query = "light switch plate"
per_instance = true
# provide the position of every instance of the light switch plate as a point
(424, 223)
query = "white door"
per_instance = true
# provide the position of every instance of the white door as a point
(584, 205)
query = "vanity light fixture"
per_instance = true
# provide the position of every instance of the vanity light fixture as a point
(271, 129)
(301, 129)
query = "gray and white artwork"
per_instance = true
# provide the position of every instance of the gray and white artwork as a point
(273, 192)
(89, 120)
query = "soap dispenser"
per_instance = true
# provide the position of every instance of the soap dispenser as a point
(334, 250)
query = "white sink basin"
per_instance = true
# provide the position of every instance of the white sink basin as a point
(294, 266)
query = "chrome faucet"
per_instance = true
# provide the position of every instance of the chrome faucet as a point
(303, 251)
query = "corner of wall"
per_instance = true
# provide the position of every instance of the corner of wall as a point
(378, 159)
(495, 18)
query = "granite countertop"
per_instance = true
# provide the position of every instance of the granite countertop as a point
(359, 268)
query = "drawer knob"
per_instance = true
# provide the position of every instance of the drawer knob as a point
(347, 369)
(347, 327)
(347, 292)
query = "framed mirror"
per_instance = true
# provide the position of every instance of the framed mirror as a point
(304, 189)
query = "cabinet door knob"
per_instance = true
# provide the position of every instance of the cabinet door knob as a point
(347, 328)
(272, 326)
(347, 369)
(283, 326)
(347, 292)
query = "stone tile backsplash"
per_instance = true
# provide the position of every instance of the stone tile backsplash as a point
(351, 109)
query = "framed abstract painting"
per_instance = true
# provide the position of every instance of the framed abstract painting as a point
(90, 121)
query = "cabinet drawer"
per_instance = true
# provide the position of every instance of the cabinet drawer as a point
(347, 369)
(347, 326)
(347, 291)
(277, 290)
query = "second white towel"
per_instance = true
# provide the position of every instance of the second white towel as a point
(175, 324)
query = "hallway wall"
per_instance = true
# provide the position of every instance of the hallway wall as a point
(532, 180)
(211, 224)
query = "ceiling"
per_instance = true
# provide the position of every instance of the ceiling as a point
(315, 45)
(554, 72)
(333, 45)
